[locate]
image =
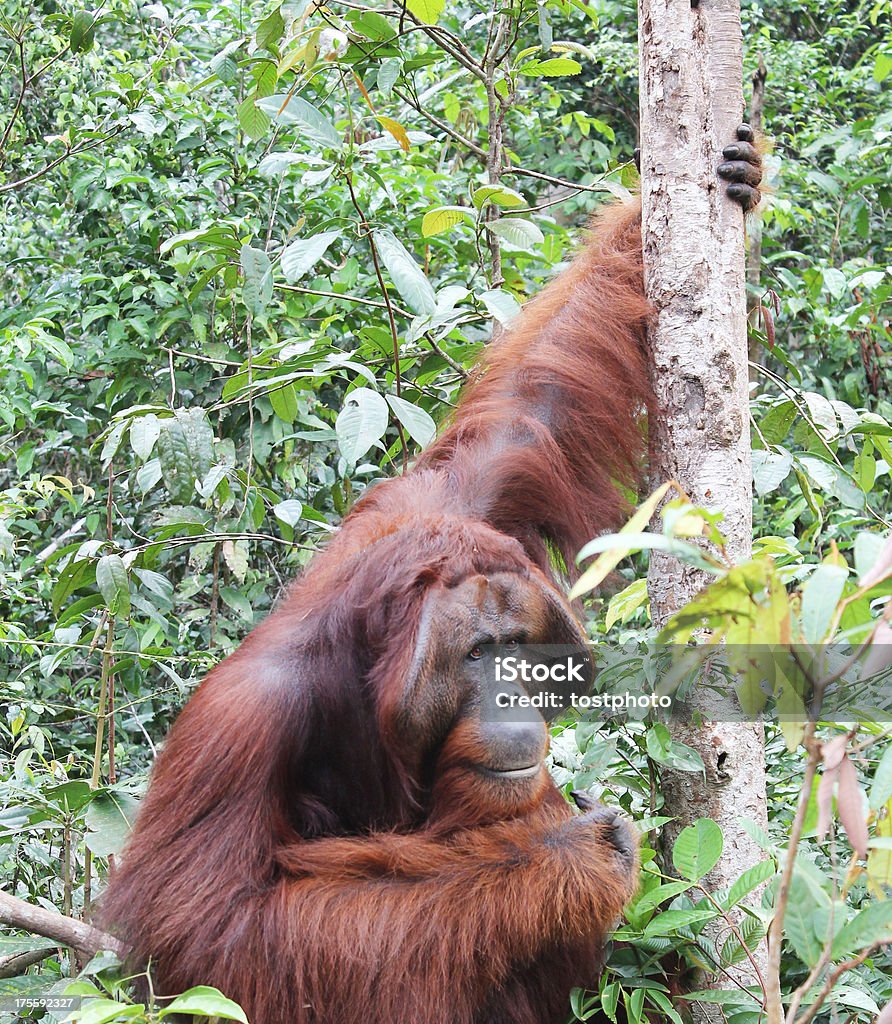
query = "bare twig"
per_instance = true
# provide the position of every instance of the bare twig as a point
(773, 1005)
(367, 231)
(447, 129)
(17, 109)
(347, 298)
(76, 151)
(832, 978)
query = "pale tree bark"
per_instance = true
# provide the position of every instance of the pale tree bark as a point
(691, 74)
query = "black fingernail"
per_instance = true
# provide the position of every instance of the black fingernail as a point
(731, 152)
(725, 169)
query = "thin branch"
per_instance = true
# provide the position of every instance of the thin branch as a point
(21, 182)
(19, 99)
(201, 359)
(832, 978)
(732, 924)
(364, 224)
(773, 1006)
(66, 930)
(347, 298)
(601, 186)
(442, 125)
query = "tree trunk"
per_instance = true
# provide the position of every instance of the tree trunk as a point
(691, 104)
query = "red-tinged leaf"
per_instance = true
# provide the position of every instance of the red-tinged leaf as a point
(365, 92)
(833, 753)
(881, 568)
(850, 806)
(879, 655)
(769, 327)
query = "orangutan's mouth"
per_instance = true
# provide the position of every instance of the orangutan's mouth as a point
(527, 772)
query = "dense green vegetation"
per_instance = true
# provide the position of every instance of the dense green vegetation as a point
(249, 253)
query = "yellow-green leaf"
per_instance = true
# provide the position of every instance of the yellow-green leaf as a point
(435, 222)
(601, 568)
(428, 11)
(554, 67)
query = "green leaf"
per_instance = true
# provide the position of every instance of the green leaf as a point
(83, 32)
(518, 233)
(388, 73)
(407, 276)
(619, 546)
(623, 605)
(185, 449)
(101, 1011)
(113, 442)
(288, 512)
(873, 923)
(270, 30)
(728, 997)
(820, 596)
(698, 849)
(654, 897)
(295, 110)
(881, 788)
(156, 583)
(109, 820)
(144, 432)
(219, 237)
(361, 423)
(148, 475)
(805, 917)
(551, 68)
(770, 469)
(145, 122)
(204, 1001)
(427, 11)
(500, 195)
(751, 879)
(237, 601)
(258, 274)
(882, 67)
(672, 920)
(443, 218)
(416, 420)
(501, 305)
(253, 121)
(114, 584)
(77, 574)
(670, 752)
(302, 255)
(284, 402)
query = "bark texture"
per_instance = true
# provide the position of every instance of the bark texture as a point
(691, 105)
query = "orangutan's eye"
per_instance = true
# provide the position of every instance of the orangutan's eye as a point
(475, 653)
(512, 644)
